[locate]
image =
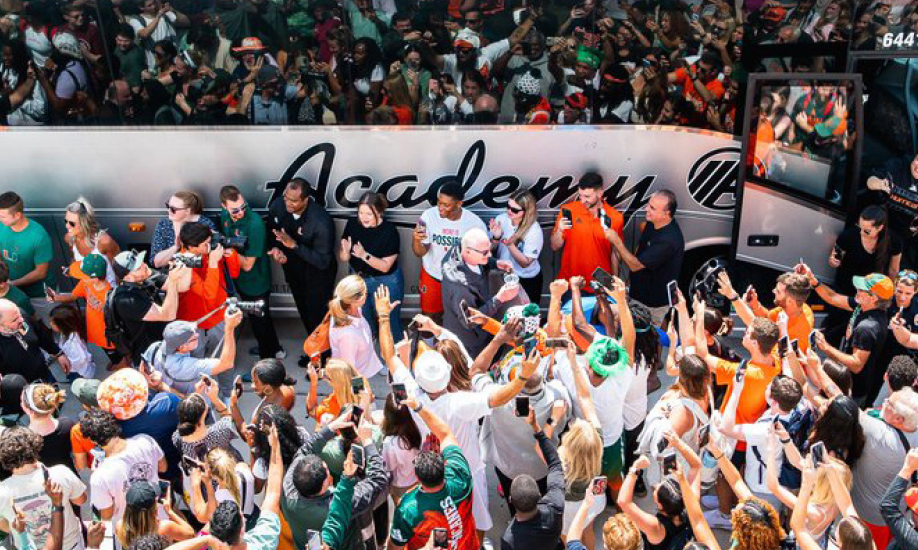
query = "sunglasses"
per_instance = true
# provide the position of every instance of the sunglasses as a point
(70, 223)
(515, 210)
(173, 209)
(482, 252)
(239, 210)
(904, 274)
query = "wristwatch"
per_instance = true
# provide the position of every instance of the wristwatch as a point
(367, 257)
(550, 421)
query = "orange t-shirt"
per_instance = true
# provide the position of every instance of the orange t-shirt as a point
(81, 443)
(330, 406)
(95, 317)
(798, 328)
(752, 401)
(585, 244)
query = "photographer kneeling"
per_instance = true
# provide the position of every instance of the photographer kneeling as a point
(137, 313)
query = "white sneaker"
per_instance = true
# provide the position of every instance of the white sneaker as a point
(486, 544)
(709, 502)
(282, 354)
(717, 520)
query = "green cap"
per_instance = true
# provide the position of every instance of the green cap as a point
(607, 357)
(590, 56)
(94, 265)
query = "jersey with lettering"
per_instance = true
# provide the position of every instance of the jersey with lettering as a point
(450, 508)
(444, 237)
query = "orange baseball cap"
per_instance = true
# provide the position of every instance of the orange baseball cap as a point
(877, 284)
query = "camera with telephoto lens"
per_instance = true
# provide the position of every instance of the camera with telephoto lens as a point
(188, 260)
(236, 243)
(255, 307)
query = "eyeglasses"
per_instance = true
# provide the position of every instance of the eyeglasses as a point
(515, 210)
(482, 252)
(174, 209)
(908, 274)
(239, 210)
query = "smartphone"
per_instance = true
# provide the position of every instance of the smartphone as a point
(313, 540)
(349, 433)
(528, 346)
(672, 292)
(522, 406)
(568, 216)
(818, 450)
(599, 485)
(440, 538)
(662, 445)
(399, 393)
(669, 463)
(838, 251)
(812, 340)
(207, 380)
(190, 463)
(556, 343)
(795, 345)
(238, 388)
(603, 277)
(783, 344)
(464, 311)
(778, 424)
(356, 413)
(163, 488)
(357, 385)
(95, 514)
(48, 292)
(359, 457)
(44, 472)
(741, 370)
(704, 434)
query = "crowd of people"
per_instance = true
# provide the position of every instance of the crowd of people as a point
(378, 62)
(782, 443)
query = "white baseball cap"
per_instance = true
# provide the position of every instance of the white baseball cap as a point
(432, 372)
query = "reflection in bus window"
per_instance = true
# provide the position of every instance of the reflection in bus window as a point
(802, 134)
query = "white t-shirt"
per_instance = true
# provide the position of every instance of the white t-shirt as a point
(484, 63)
(112, 479)
(756, 435)
(362, 85)
(460, 410)
(165, 29)
(531, 246)
(635, 409)
(80, 359)
(399, 462)
(608, 397)
(247, 487)
(27, 493)
(444, 235)
(39, 44)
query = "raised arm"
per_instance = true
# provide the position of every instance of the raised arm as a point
(578, 319)
(582, 383)
(725, 287)
(386, 343)
(828, 295)
(805, 540)
(274, 488)
(625, 320)
(648, 524)
(692, 501)
(436, 424)
(557, 288)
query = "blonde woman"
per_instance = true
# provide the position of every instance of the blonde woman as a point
(229, 479)
(821, 509)
(140, 517)
(349, 333)
(85, 236)
(40, 402)
(517, 237)
(339, 374)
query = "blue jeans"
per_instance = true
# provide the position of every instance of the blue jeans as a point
(396, 285)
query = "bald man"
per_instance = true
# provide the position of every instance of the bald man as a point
(466, 283)
(21, 346)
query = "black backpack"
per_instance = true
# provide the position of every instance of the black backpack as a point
(115, 330)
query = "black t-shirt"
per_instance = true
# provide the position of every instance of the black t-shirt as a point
(660, 251)
(858, 261)
(56, 448)
(381, 241)
(868, 333)
(131, 303)
(892, 347)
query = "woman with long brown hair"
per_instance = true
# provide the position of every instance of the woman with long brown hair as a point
(517, 237)
(183, 207)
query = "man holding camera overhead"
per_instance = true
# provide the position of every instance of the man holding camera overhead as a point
(238, 222)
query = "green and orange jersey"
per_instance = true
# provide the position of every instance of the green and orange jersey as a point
(450, 508)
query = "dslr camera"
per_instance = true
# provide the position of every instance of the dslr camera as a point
(256, 307)
(188, 260)
(236, 243)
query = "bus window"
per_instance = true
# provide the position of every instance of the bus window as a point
(800, 135)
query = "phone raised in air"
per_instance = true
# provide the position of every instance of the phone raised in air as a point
(440, 538)
(602, 277)
(672, 293)
(359, 457)
(556, 343)
(783, 344)
(818, 450)
(522, 406)
(812, 340)
(357, 385)
(669, 463)
(528, 346)
(399, 393)
(313, 540)
(599, 485)
(238, 388)
(741, 370)
(795, 345)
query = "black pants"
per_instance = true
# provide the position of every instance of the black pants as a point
(311, 294)
(263, 327)
(505, 483)
(533, 287)
(631, 446)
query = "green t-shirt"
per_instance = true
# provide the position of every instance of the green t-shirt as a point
(333, 453)
(19, 298)
(22, 252)
(257, 280)
(133, 62)
(450, 508)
